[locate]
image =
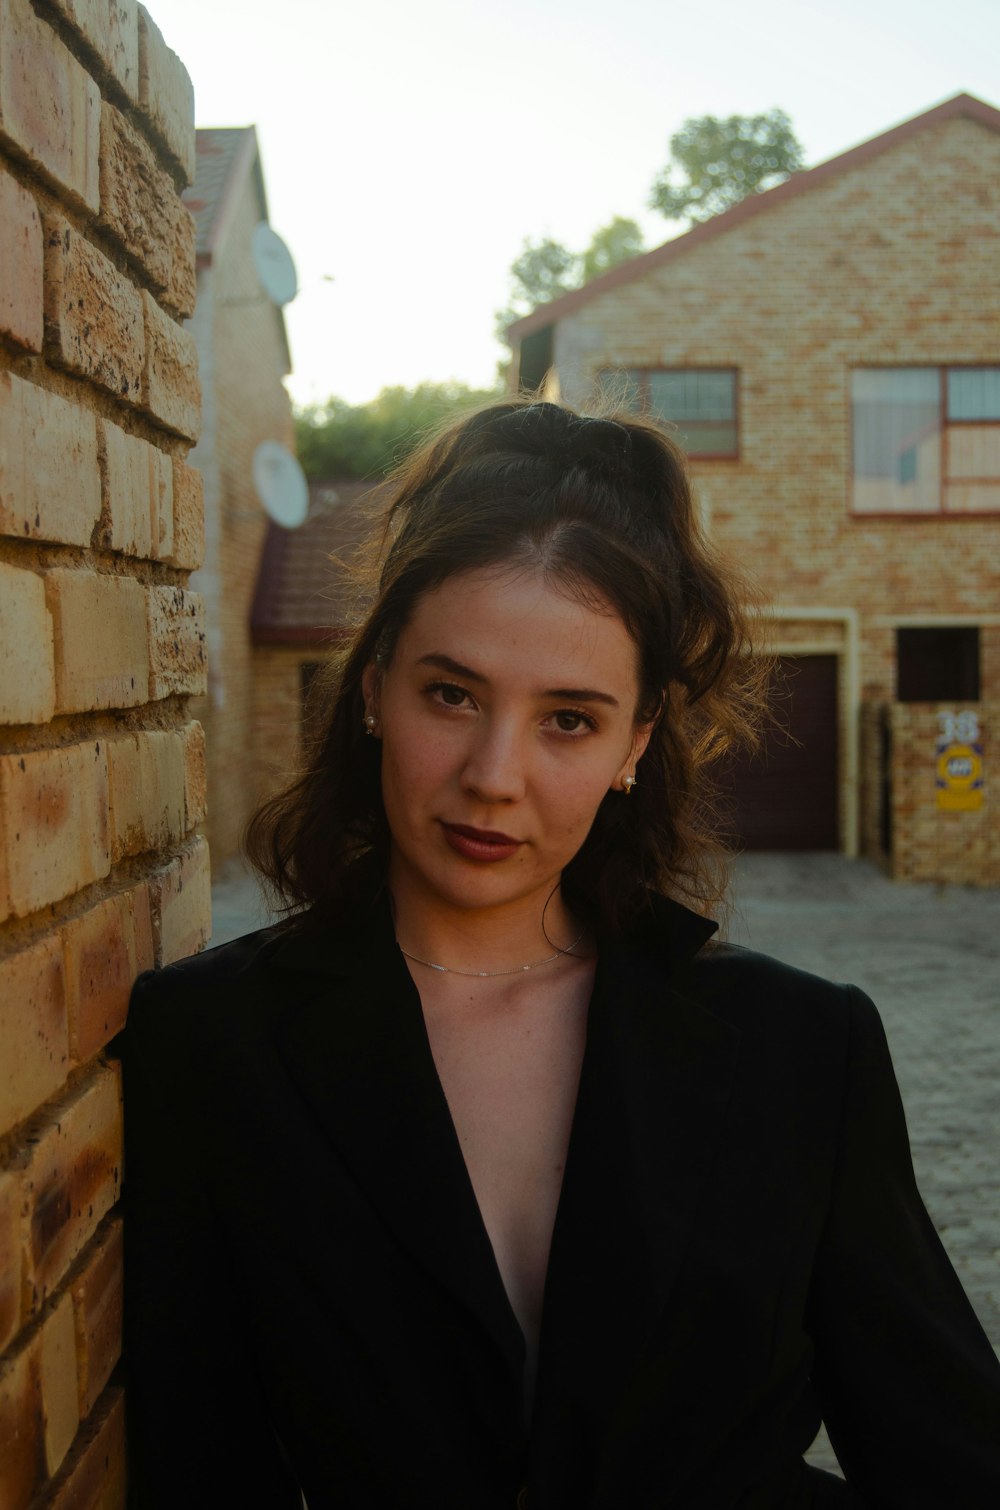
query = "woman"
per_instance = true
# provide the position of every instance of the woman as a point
(487, 1179)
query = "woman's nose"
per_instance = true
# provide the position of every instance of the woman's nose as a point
(495, 765)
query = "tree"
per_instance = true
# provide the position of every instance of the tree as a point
(545, 269)
(338, 439)
(618, 241)
(722, 161)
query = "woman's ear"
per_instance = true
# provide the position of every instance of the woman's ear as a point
(625, 780)
(370, 681)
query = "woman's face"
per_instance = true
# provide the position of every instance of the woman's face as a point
(506, 713)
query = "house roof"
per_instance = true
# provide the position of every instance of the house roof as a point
(220, 153)
(303, 596)
(961, 106)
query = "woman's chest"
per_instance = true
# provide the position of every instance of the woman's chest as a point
(510, 1077)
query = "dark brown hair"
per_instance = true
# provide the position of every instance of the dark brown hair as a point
(603, 507)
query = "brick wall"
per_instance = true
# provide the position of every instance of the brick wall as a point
(101, 768)
(928, 844)
(241, 337)
(278, 712)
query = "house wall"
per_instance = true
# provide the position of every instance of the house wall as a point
(891, 261)
(928, 844)
(244, 358)
(101, 766)
(278, 725)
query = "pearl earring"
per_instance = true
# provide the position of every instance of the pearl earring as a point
(628, 782)
(369, 722)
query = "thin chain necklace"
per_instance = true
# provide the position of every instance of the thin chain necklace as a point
(484, 974)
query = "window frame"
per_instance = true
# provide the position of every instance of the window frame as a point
(641, 375)
(945, 426)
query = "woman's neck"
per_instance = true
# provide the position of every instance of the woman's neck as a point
(482, 941)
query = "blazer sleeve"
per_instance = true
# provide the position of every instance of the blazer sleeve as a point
(198, 1427)
(909, 1383)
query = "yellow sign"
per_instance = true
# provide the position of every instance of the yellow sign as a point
(959, 777)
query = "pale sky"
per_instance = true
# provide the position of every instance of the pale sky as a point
(409, 148)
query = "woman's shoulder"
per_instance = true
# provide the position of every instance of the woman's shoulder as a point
(769, 997)
(192, 996)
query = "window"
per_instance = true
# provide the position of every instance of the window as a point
(926, 440)
(937, 665)
(700, 401)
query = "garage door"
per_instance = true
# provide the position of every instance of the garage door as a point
(786, 796)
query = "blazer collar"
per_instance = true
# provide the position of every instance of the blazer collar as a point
(657, 1074)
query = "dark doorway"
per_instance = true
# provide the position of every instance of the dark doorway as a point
(785, 797)
(938, 665)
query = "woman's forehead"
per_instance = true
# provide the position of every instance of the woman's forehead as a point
(505, 621)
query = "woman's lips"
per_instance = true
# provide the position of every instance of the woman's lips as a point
(480, 843)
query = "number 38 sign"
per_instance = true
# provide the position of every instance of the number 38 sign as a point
(958, 763)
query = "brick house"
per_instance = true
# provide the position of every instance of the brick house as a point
(243, 355)
(830, 354)
(302, 594)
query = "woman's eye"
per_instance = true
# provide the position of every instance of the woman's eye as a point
(570, 721)
(449, 693)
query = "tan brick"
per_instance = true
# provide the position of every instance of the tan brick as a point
(166, 94)
(163, 537)
(195, 775)
(100, 628)
(49, 483)
(147, 783)
(104, 949)
(139, 904)
(20, 264)
(54, 821)
(58, 1374)
(141, 207)
(72, 1180)
(34, 1041)
(96, 1476)
(185, 904)
(38, 1408)
(10, 1258)
(138, 487)
(97, 1301)
(111, 28)
(189, 518)
(171, 392)
(22, 1439)
(177, 661)
(93, 314)
(27, 667)
(50, 108)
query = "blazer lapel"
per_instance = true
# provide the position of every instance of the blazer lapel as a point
(657, 1075)
(354, 1041)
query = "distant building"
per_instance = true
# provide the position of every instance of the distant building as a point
(830, 354)
(303, 598)
(243, 356)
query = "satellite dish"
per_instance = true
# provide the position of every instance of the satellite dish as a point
(274, 265)
(281, 484)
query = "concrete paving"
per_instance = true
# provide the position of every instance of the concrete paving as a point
(929, 956)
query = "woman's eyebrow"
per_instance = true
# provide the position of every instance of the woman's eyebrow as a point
(445, 663)
(571, 694)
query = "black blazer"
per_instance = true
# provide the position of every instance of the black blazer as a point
(312, 1301)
